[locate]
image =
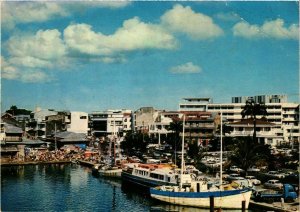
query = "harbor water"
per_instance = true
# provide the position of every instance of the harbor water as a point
(71, 187)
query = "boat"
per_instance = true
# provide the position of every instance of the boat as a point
(199, 193)
(109, 168)
(150, 175)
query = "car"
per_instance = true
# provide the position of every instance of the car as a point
(235, 169)
(253, 180)
(273, 184)
(275, 174)
(232, 177)
(253, 169)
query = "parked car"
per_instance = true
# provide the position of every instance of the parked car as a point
(253, 180)
(232, 177)
(274, 184)
(253, 169)
(275, 174)
(235, 169)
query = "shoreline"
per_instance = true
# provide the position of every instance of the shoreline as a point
(21, 163)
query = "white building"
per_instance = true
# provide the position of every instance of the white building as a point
(109, 122)
(284, 115)
(77, 122)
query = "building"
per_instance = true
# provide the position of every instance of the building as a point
(264, 131)
(77, 122)
(200, 126)
(284, 115)
(194, 104)
(109, 122)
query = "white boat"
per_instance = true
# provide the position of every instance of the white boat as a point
(199, 193)
(150, 175)
(109, 169)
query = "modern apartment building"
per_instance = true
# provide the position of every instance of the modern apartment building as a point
(109, 122)
(283, 115)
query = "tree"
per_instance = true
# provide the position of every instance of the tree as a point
(176, 128)
(253, 110)
(14, 110)
(246, 153)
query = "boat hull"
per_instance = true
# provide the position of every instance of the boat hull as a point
(116, 173)
(231, 199)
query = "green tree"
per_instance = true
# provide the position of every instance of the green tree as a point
(176, 128)
(253, 110)
(246, 153)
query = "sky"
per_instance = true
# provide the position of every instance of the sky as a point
(93, 56)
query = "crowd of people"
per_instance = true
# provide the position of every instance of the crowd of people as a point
(68, 154)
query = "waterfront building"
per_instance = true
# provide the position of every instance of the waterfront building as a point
(77, 122)
(200, 126)
(264, 131)
(160, 127)
(108, 122)
(283, 115)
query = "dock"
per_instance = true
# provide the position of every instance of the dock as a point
(276, 206)
(85, 163)
(23, 163)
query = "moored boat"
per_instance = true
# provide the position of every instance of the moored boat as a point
(150, 175)
(199, 193)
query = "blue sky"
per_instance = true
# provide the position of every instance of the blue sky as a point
(93, 56)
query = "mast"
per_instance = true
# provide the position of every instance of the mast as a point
(221, 149)
(114, 138)
(182, 149)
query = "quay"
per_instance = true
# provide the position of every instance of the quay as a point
(276, 206)
(23, 163)
(85, 163)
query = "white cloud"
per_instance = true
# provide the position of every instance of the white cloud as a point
(40, 11)
(45, 44)
(11, 72)
(133, 35)
(108, 4)
(230, 16)
(270, 29)
(26, 12)
(195, 25)
(187, 68)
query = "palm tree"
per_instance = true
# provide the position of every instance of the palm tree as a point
(253, 110)
(246, 153)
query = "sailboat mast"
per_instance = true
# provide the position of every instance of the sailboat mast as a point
(182, 149)
(221, 149)
(114, 138)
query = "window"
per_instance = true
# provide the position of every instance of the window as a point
(83, 117)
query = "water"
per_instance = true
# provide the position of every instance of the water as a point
(71, 188)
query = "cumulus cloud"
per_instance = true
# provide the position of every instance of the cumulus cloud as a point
(133, 35)
(270, 29)
(31, 55)
(196, 25)
(40, 11)
(12, 72)
(187, 68)
(230, 16)
(26, 12)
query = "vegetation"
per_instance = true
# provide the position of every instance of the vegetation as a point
(247, 153)
(253, 110)
(135, 142)
(14, 110)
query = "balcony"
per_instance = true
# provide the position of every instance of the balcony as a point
(13, 139)
(250, 133)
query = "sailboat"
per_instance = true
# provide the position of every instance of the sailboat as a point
(199, 193)
(111, 169)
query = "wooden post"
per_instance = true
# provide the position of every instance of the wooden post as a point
(243, 206)
(211, 201)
